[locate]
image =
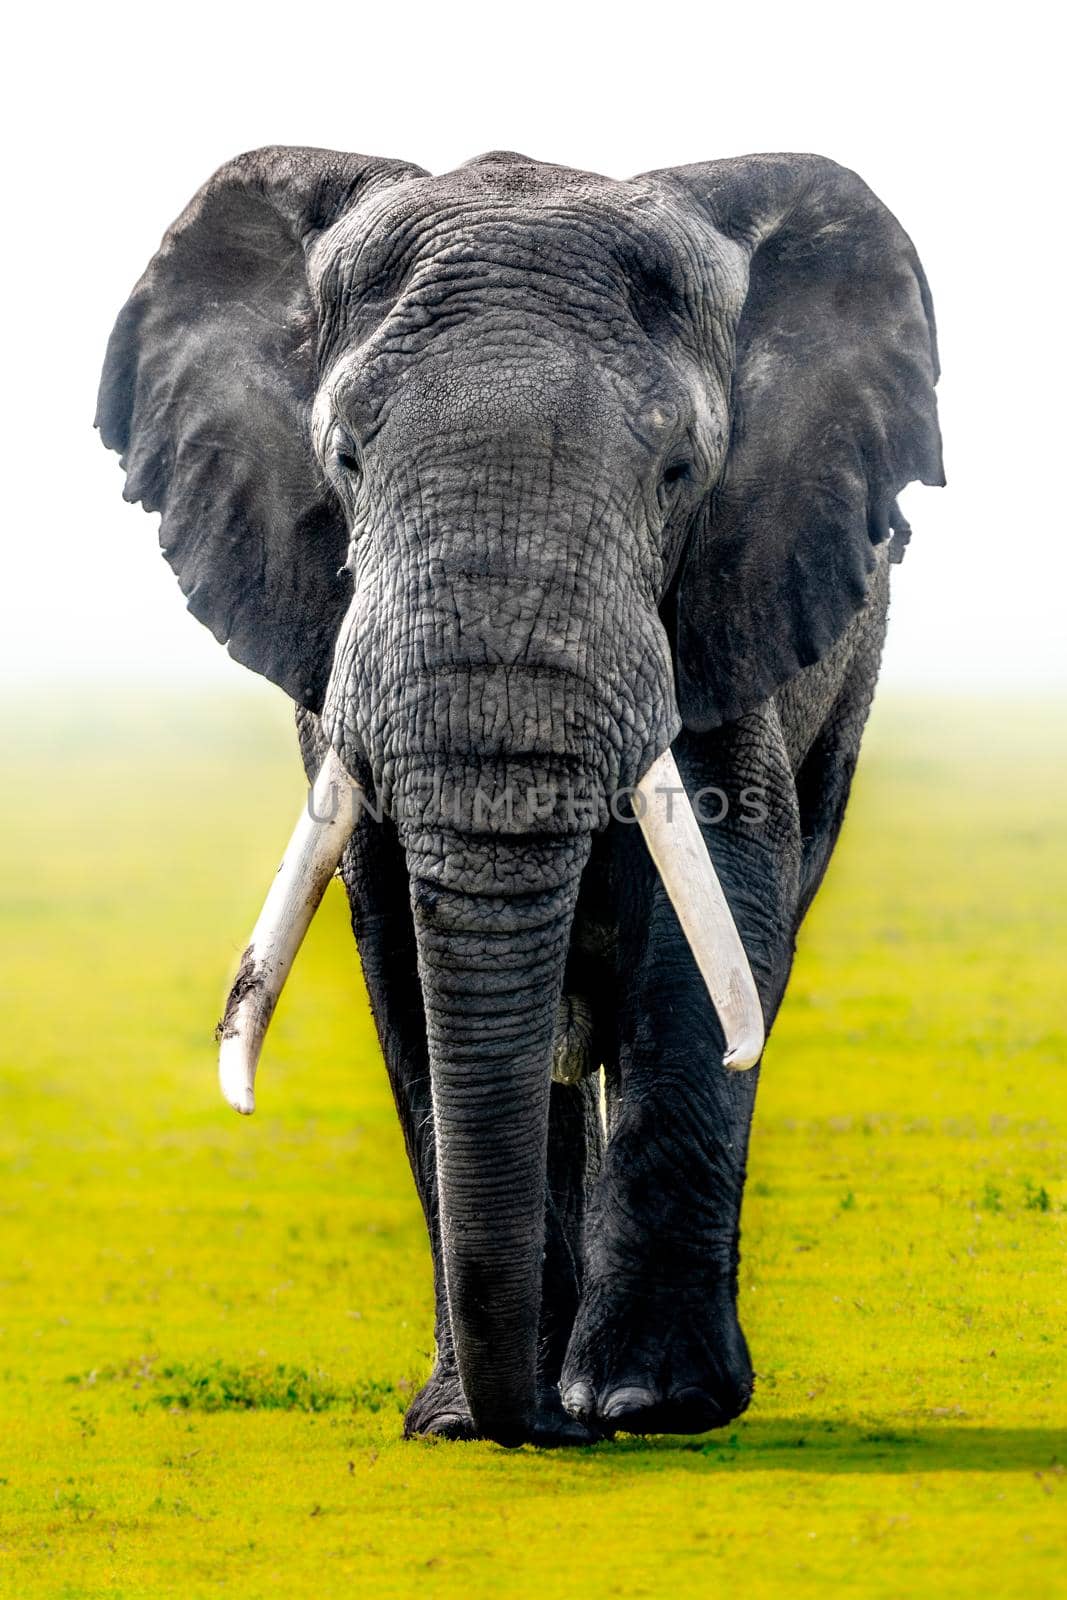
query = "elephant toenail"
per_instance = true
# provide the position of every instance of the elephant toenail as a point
(623, 1401)
(444, 1425)
(696, 1399)
(578, 1400)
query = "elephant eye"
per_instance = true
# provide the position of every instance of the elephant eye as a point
(345, 454)
(676, 473)
(675, 476)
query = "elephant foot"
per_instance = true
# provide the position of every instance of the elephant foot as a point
(657, 1362)
(440, 1411)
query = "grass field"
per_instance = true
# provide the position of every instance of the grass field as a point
(210, 1327)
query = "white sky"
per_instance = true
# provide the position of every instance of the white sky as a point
(119, 112)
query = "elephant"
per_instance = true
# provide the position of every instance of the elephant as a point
(555, 503)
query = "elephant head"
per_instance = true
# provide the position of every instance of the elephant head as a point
(506, 474)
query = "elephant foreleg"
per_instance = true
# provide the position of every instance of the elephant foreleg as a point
(657, 1346)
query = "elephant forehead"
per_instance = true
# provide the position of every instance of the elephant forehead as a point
(507, 214)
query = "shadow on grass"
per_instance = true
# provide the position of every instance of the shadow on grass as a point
(806, 1444)
(754, 1444)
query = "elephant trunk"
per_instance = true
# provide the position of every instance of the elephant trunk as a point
(491, 964)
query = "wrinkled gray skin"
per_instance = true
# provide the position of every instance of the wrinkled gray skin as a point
(615, 467)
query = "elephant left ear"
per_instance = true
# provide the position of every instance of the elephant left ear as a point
(206, 394)
(833, 412)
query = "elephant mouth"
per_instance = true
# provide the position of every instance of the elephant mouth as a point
(514, 747)
(513, 794)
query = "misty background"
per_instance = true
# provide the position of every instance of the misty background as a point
(120, 112)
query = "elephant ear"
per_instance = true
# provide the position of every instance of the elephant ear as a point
(833, 412)
(206, 394)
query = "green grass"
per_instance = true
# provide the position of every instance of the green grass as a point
(210, 1327)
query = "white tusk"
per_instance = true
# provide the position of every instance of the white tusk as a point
(677, 847)
(309, 863)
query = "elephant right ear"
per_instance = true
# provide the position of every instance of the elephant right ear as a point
(833, 412)
(206, 394)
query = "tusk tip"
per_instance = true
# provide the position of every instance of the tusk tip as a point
(243, 1103)
(235, 1078)
(743, 1057)
(239, 1096)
